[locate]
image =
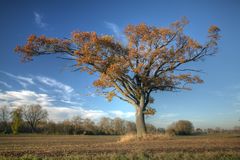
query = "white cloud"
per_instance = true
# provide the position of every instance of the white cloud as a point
(60, 100)
(22, 80)
(42, 89)
(72, 102)
(116, 30)
(168, 115)
(23, 97)
(91, 94)
(197, 120)
(160, 122)
(121, 114)
(56, 84)
(56, 112)
(43, 83)
(61, 113)
(66, 92)
(163, 120)
(39, 20)
(5, 84)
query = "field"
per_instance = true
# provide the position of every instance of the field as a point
(215, 146)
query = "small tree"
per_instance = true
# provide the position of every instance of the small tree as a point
(199, 131)
(151, 128)
(105, 125)
(4, 117)
(67, 127)
(181, 127)
(77, 123)
(154, 59)
(16, 120)
(118, 126)
(89, 127)
(34, 114)
(130, 127)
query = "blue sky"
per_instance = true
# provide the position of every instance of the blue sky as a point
(50, 82)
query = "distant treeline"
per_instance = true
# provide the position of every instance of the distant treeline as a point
(34, 119)
(77, 125)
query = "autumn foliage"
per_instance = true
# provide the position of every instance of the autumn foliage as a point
(153, 60)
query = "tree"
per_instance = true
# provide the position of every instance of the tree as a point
(52, 128)
(4, 117)
(199, 131)
(181, 127)
(154, 59)
(16, 120)
(105, 125)
(34, 114)
(151, 128)
(67, 127)
(77, 124)
(89, 127)
(130, 127)
(118, 126)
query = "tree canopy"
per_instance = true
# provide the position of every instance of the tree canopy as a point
(153, 60)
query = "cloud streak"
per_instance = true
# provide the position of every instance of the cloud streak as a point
(23, 81)
(121, 114)
(39, 20)
(46, 85)
(54, 83)
(5, 84)
(116, 30)
(168, 115)
(64, 91)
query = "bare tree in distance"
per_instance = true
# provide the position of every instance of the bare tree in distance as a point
(4, 113)
(77, 123)
(105, 125)
(33, 114)
(154, 60)
(118, 126)
(89, 126)
(4, 117)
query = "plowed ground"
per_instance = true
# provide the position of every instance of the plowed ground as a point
(54, 145)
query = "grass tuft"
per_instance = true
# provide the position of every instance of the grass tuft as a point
(149, 137)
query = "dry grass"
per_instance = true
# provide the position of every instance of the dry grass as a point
(127, 138)
(149, 137)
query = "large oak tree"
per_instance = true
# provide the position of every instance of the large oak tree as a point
(154, 59)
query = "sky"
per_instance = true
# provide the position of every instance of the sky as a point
(50, 81)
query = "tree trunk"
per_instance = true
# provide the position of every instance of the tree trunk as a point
(140, 123)
(33, 127)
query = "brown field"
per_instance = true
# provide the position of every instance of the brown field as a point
(60, 145)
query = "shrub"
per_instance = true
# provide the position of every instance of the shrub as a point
(181, 127)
